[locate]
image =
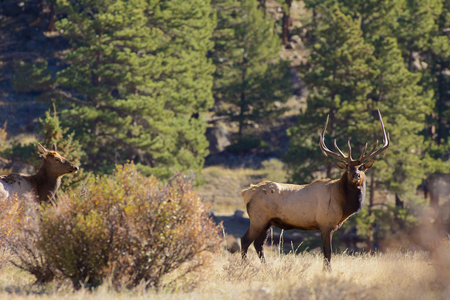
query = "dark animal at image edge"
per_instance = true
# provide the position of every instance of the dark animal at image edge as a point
(43, 185)
(323, 205)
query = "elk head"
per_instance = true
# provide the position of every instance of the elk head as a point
(55, 164)
(355, 168)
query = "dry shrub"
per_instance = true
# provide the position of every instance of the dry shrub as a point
(128, 228)
(19, 234)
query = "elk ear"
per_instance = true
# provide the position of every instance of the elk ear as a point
(369, 164)
(42, 150)
(54, 147)
(341, 165)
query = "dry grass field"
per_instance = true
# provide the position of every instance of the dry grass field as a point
(398, 274)
(394, 275)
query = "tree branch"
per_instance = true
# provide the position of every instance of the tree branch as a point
(74, 99)
(70, 97)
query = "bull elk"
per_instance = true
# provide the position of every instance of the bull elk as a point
(323, 205)
(43, 185)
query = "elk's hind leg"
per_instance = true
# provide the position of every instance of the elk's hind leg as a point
(260, 241)
(254, 233)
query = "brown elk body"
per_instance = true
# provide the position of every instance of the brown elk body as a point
(43, 185)
(322, 205)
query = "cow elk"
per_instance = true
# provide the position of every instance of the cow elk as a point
(43, 185)
(323, 205)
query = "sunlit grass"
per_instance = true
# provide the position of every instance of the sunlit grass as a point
(222, 186)
(395, 275)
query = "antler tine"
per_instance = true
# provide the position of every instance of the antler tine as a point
(363, 152)
(327, 151)
(371, 151)
(372, 154)
(349, 150)
(339, 150)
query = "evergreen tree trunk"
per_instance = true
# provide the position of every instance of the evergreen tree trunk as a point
(329, 169)
(398, 202)
(314, 18)
(434, 194)
(372, 192)
(243, 100)
(370, 238)
(262, 6)
(286, 22)
(52, 18)
(441, 94)
(241, 113)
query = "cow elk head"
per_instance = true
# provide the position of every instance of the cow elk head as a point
(55, 164)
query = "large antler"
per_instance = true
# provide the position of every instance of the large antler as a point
(374, 153)
(340, 156)
(327, 151)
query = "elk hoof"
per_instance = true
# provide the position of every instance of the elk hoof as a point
(326, 266)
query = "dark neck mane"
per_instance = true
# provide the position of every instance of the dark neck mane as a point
(45, 184)
(354, 195)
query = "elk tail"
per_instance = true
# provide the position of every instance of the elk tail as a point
(248, 193)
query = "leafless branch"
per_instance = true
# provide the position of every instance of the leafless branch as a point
(69, 96)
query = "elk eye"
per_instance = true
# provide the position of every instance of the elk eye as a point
(361, 168)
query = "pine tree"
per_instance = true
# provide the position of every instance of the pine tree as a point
(250, 78)
(286, 20)
(416, 24)
(405, 105)
(436, 57)
(379, 18)
(138, 81)
(339, 77)
(413, 24)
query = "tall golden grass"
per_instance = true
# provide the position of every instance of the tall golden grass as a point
(395, 275)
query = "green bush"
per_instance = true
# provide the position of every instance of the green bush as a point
(127, 228)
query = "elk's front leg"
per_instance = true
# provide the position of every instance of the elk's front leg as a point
(327, 235)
